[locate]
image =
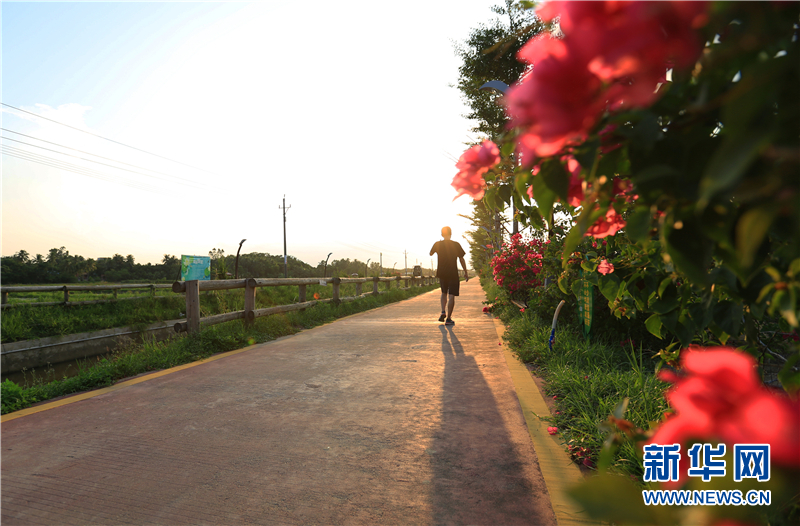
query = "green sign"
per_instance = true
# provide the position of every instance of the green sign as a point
(195, 267)
(586, 304)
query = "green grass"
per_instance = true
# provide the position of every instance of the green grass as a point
(31, 322)
(153, 356)
(587, 379)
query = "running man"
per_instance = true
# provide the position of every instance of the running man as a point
(447, 271)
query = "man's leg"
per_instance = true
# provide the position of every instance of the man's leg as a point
(444, 304)
(450, 304)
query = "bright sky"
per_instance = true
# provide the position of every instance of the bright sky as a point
(346, 108)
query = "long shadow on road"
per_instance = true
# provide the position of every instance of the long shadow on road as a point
(479, 476)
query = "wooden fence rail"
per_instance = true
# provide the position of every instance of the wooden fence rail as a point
(192, 290)
(66, 289)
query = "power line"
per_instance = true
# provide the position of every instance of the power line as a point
(61, 165)
(84, 159)
(88, 153)
(110, 140)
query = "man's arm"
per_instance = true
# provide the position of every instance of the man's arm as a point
(433, 248)
(464, 266)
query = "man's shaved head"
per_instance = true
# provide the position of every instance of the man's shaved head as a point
(446, 232)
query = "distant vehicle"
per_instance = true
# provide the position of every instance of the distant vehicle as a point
(417, 272)
(354, 275)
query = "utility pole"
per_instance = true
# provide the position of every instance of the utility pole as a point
(285, 267)
(405, 270)
(381, 271)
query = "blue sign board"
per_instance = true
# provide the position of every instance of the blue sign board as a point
(195, 267)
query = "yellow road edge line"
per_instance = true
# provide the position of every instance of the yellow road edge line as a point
(70, 399)
(559, 472)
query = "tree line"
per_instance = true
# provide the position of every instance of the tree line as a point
(59, 266)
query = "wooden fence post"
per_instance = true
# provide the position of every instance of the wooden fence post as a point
(4, 298)
(152, 291)
(302, 293)
(193, 306)
(336, 282)
(375, 281)
(66, 295)
(358, 289)
(249, 301)
(115, 294)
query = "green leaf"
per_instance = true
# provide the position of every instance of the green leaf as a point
(521, 185)
(621, 408)
(653, 324)
(727, 316)
(788, 377)
(577, 288)
(690, 250)
(543, 195)
(490, 197)
(751, 229)
(609, 286)
(508, 148)
(787, 305)
(614, 499)
(794, 268)
(638, 224)
(556, 178)
(662, 287)
(730, 161)
(504, 192)
(562, 283)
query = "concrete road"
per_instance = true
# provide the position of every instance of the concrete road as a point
(385, 417)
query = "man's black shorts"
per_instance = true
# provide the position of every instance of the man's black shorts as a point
(450, 286)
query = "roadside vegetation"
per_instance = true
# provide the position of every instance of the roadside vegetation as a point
(30, 322)
(153, 356)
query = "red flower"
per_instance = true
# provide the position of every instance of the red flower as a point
(472, 164)
(316, 295)
(575, 192)
(486, 309)
(612, 55)
(552, 430)
(720, 397)
(607, 225)
(558, 101)
(605, 267)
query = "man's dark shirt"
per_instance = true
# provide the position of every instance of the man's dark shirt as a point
(448, 253)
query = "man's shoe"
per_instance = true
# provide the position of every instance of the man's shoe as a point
(443, 316)
(449, 322)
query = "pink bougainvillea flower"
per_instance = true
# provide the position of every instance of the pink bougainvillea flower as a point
(612, 56)
(472, 164)
(719, 396)
(552, 430)
(557, 102)
(605, 267)
(575, 192)
(522, 310)
(486, 309)
(607, 225)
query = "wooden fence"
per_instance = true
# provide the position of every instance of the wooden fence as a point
(76, 288)
(192, 290)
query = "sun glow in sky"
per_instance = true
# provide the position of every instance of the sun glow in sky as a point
(346, 108)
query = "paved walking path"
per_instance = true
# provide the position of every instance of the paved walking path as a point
(385, 417)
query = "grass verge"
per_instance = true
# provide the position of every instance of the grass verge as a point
(586, 380)
(154, 356)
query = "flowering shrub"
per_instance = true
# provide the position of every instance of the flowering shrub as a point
(518, 264)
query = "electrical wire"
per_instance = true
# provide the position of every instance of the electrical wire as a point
(61, 165)
(107, 139)
(91, 160)
(92, 154)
